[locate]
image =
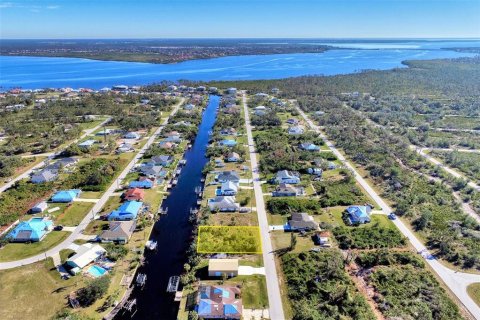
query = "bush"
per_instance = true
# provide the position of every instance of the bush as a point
(368, 237)
(93, 291)
(115, 251)
(289, 205)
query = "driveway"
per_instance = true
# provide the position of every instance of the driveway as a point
(250, 271)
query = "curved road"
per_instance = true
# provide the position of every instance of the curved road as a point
(457, 282)
(96, 208)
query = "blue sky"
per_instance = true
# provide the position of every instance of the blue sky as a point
(240, 18)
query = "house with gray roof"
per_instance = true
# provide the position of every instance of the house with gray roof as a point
(43, 176)
(302, 222)
(226, 176)
(223, 204)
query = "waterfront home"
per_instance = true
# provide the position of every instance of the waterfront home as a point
(219, 163)
(143, 182)
(308, 146)
(183, 123)
(85, 254)
(131, 135)
(287, 190)
(225, 176)
(162, 160)
(43, 176)
(227, 143)
(33, 230)
(233, 157)
(39, 207)
(232, 91)
(219, 302)
(228, 188)
(296, 130)
(153, 171)
(127, 211)
(118, 231)
(221, 267)
(285, 176)
(223, 204)
(315, 171)
(302, 222)
(173, 136)
(189, 107)
(134, 194)
(231, 110)
(292, 121)
(228, 132)
(166, 145)
(87, 144)
(66, 196)
(358, 214)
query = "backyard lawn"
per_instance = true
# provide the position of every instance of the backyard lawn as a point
(217, 239)
(16, 251)
(74, 214)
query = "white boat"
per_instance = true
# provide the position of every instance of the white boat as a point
(151, 245)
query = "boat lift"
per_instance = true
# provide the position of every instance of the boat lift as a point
(173, 283)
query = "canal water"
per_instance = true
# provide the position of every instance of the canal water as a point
(173, 231)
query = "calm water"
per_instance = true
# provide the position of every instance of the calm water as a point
(173, 231)
(40, 72)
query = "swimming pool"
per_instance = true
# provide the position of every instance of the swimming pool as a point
(96, 271)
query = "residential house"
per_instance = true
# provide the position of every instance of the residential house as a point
(221, 267)
(285, 176)
(189, 107)
(260, 110)
(39, 207)
(315, 171)
(223, 204)
(127, 211)
(65, 196)
(62, 163)
(125, 147)
(232, 91)
(173, 136)
(227, 143)
(292, 121)
(118, 231)
(228, 188)
(358, 214)
(233, 157)
(322, 238)
(33, 230)
(134, 194)
(302, 222)
(225, 176)
(104, 132)
(131, 135)
(153, 171)
(87, 144)
(228, 132)
(167, 145)
(296, 130)
(43, 176)
(287, 190)
(86, 254)
(219, 302)
(143, 183)
(162, 160)
(308, 146)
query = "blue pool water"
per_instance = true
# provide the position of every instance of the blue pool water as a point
(96, 271)
(41, 72)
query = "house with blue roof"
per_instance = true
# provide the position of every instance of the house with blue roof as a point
(358, 214)
(127, 211)
(87, 144)
(144, 184)
(33, 230)
(228, 143)
(219, 302)
(66, 196)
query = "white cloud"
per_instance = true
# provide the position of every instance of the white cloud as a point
(31, 8)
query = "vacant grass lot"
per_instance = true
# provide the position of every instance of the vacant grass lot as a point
(74, 214)
(474, 292)
(218, 239)
(17, 251)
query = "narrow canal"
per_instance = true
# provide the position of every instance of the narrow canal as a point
(173, 231)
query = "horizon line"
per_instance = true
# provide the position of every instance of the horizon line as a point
(250, 38)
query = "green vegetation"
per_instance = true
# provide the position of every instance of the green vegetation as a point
(95, 290)
(342, 192)
(17, 200)
(374, 236)
(474, 292)
(17, 251)
(115, 251)
(467, 163)
(74, 213)
(216, 239)
(94, 175)
(319, 287)
(386, 258)
(288, 205)
(9, 164)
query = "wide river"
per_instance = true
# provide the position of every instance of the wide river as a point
(42, 72)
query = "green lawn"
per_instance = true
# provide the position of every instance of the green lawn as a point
(254, 291)
(219, 239)
(65, 254)
(474, 292)
(34, 291)
(74, 214)
(17, 251)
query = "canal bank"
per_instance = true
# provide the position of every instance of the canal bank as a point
(173, 232)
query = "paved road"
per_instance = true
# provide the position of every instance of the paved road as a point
(77, 233)
(27, 173)
(273, 288)
(457, 282)
(456, 174)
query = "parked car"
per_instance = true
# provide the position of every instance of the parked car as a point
(392, 216)
(58, 228)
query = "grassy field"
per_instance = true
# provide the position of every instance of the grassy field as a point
(218, 239)
(474, 292)
(74, 214)
(254, 291)
(38, 289)
(16, 251)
